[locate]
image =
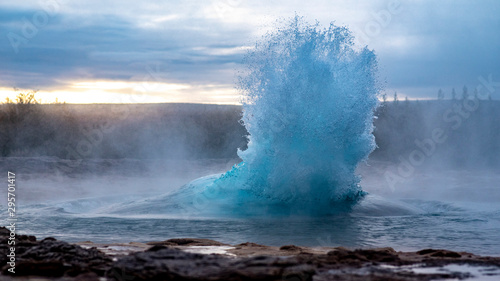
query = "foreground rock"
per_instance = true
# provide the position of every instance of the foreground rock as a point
(51, 258)
(174, 259)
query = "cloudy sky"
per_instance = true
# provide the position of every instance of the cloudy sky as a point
(190, 51)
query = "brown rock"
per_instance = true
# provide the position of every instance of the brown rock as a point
(188, 242)
(439, 253)
(291, 248)
(250, 244)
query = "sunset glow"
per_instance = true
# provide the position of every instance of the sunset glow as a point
(193, 52)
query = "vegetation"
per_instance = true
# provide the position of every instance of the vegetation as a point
(73, 131)
(471, 128)
(173, 131)
(24, 112)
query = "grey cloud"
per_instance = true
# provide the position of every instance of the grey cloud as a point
(453, 43)
(449, 43)
(109, 47)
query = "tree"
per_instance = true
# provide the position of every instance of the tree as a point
(384, 97)
(453, 94)
(440, 94)
(395, 97)
(476, 94)
(21, 107)
(26, 98)
(21, 124)
(465, 93)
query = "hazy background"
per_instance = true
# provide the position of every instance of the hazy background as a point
(131, 53)
(88, 150)
(151, 105)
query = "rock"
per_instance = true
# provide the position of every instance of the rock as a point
(250, 244)
(358, 257)
(156, 248)
(53, 258)
(439, 253)
(50, 259)
(41, 268)
(174, 264)
(188, 242)
(91, 276)
(291, 248)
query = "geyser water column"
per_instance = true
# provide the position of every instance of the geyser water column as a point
(308, 97)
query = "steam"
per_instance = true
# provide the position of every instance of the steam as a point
(309, 98)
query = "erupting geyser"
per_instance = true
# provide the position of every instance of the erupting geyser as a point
(308, 97)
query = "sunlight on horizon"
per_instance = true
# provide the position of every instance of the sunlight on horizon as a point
(107, 91)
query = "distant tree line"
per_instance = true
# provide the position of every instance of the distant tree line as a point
(173, 131)
(71, 131)
(441, 95)
(471, 127)
(465, 94)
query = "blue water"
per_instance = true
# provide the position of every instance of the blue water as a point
(456, 210)
(308, 99)
(440, 226)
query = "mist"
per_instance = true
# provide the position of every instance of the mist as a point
(432, 149)
(65, 151)
(443, 150)
(119, 164)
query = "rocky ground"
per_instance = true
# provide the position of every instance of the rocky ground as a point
(202, 259)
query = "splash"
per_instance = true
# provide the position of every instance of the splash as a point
(308, 97)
